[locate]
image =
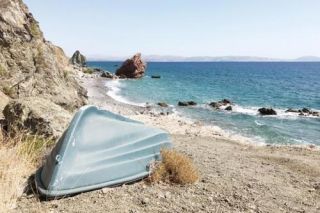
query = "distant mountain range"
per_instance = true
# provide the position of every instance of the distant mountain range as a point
(171, 58)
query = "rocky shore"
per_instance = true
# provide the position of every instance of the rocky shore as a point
(235, 177)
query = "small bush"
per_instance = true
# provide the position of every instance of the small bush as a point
(65, 74)
(7, 90)
(87, 71)
(35, 30)
(174, 168)
(3, 71)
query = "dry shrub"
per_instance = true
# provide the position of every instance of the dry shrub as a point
(174, 168)
(19, 157)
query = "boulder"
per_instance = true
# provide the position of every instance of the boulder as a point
(226, 101)
(215, 105)
(219, 104)
(106, 74)
(228, 108)
(78, 59)
(37, 115)
(155, 76)
(132, 68)
(4, 100)
(162, 104)
(292, 110)
(187, 103)
(267, 111)
(305, 110)
(30, 65)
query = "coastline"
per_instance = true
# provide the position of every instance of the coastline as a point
(236, 176)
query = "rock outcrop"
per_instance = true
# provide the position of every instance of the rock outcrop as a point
(223, 103)
(267, 111)
(132, 68)
(187, 103)
(37, 115)
(78, 59)
(304, 112)
(106, 74)
(30, 66)
(4, 100)
(162, 104)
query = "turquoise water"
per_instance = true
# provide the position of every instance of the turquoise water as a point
(249, 85)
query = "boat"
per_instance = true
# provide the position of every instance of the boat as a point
(100, 149)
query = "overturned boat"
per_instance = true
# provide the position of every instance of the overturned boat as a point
(99, 149)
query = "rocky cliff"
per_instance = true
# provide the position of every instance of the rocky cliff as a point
(30, 66)
(78, 59)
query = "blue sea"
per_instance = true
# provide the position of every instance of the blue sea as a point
(250, 85)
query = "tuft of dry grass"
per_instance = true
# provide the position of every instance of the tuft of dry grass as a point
(87, 71)
(19, 157)
(174, 168)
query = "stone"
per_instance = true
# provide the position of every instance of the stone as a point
(219, 104)
(132, 68)
(162, 104)
(106, 74)
(305, 110)
(192, 103)
(228, 108)
(37, 115)
(156, 76)
(187, 103)
(292, 110)
(267, 111)
(78, 59)
(31, 65)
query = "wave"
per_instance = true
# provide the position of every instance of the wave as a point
(114, 91)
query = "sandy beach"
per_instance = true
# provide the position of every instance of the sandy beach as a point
(236, 175)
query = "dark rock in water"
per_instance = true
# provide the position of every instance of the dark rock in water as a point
(180, 103)
(78, 59)
(187, 103)
(292, 110)
(98, 70)
(226, 101)
(216, 105)
(132, 68)
(267, 111)
(305, 110)
(228, 108)
(192, 103)
(155, 76)
(162, 104)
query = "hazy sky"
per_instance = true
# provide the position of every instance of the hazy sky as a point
(271, 28)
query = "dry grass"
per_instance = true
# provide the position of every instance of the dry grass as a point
(87, 71)
(19, 157)
(174, 168)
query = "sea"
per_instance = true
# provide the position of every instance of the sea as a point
(249, 85)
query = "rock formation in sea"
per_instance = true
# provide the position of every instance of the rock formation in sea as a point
(78, 59)
(32, 67)
(187, 103)
(132, 68)
(222, 103)
(267, 111)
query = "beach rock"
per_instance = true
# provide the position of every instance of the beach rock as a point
(78, 59)
(106, 74)
(162, 104)
(187, 103)
(228, 108)
(132, 68)
(32, 66)
(37, 115)
(215, 105)
(226, 101)
(155, 76)
(267, 111)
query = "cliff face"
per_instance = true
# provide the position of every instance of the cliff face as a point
(30, 66)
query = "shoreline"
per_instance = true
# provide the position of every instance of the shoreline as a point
(156, 116)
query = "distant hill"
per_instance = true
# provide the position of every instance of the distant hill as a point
(309, 58)
(172, 58)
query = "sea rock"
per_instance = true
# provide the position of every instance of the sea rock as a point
(132, 68)
(162, 104)
(228, 108)
(219, 104)
(292, 110)
(305, 110)
(34, 67)
(267, 111)
(37, 115)
(155, 76)
(187, 103)
(78, 59)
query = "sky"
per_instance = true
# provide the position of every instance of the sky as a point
(266, 28)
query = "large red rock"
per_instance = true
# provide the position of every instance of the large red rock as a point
(132, 68)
